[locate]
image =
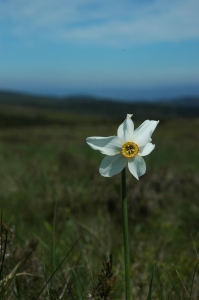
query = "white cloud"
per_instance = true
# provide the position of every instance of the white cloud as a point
(101, 21)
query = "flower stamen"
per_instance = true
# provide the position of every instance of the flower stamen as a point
(129, 149)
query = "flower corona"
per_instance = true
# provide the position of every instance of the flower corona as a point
(129, 149)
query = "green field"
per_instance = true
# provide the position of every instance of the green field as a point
(52, 193)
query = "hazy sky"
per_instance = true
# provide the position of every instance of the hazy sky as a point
(112, 48)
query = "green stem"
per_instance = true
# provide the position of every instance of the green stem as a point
(126, 237)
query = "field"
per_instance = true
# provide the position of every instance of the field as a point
(62, 209)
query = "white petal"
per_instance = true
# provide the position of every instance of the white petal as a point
(143, 133)
(112, 165)
(147, 149)
(107, 145)
(126, 129)
(137, 166)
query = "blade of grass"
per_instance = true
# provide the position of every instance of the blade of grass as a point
(172, 283)
(193, 279)
(41, 242)
(151, 283)
(181, 280)
(44, 270)
(49, 279)
(77, 284)
(6, 281)
(63, 292)
(3, 245)
(53, 244)
(194, 245)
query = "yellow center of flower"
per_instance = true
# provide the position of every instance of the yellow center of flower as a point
(129, 149)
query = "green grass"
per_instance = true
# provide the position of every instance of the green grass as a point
(52, 192)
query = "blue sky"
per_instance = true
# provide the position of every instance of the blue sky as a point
(138, 49)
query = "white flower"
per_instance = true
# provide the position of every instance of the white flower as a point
(127, 147)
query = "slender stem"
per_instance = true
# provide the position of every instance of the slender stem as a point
(126, 237)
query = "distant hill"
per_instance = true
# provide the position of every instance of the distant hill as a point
(192, 102)
(187, 107)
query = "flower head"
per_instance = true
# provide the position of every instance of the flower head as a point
(127, 147)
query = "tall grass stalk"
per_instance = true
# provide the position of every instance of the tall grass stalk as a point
(77, 284)
(151, 283)
(126, 236)
(57, 268)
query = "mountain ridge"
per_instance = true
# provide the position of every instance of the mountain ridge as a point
(184, 107)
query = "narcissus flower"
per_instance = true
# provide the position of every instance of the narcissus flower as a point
(127, 147)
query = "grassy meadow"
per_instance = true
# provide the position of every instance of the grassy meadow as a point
(55, 207)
